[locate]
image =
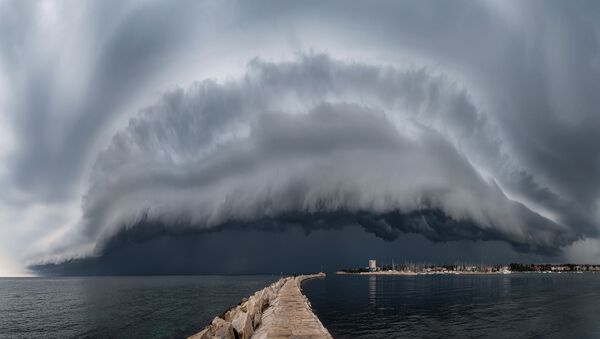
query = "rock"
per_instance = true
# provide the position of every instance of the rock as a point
(204, 334)
(222, 329)
(251, 306)
(257, 320)
(264, 302)
(271, 294)
(242, 323)
(227, 315)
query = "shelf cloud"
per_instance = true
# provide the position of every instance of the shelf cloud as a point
(316, 143)
(455, 122)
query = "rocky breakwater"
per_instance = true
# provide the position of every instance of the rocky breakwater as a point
(278, 310)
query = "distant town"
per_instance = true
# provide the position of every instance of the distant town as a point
(423, 268)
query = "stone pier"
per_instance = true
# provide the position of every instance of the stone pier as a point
(277, 311)
(291, 315)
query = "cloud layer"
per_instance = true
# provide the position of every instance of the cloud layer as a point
(319, 143)
(453, 120)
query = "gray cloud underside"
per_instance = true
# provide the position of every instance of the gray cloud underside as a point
(319, 143)
(495, 138)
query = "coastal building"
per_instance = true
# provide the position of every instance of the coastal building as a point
(372, 265)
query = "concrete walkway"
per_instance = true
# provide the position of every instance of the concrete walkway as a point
(291, 315)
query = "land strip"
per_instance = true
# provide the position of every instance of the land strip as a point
(277, 311)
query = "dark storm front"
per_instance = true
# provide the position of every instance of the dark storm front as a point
(118, 307)
(508, 306)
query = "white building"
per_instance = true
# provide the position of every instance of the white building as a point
(372, 265)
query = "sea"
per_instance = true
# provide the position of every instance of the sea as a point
(524, 305)
(350, 306)
(118, 307)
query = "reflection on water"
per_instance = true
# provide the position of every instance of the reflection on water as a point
(372, 289)
(108, 307)
(510, 306)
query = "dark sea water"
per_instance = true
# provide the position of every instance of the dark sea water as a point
(118, 307)
(505, 306)
(442, 306)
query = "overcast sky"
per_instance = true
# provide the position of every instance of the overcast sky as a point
(149, 129)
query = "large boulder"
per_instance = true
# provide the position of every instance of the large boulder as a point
(221, 329)
(228, 315)
(271, 293)
(204, 334)
(257, 320)
(252, 306)
(242, 320)
(242, 323)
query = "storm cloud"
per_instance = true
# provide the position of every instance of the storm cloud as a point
(370, 145)
(455, 121)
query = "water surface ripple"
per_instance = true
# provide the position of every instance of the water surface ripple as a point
(437, 306)
(118, 307)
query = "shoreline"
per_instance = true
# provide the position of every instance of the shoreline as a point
(419, 273)
(400, 273)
